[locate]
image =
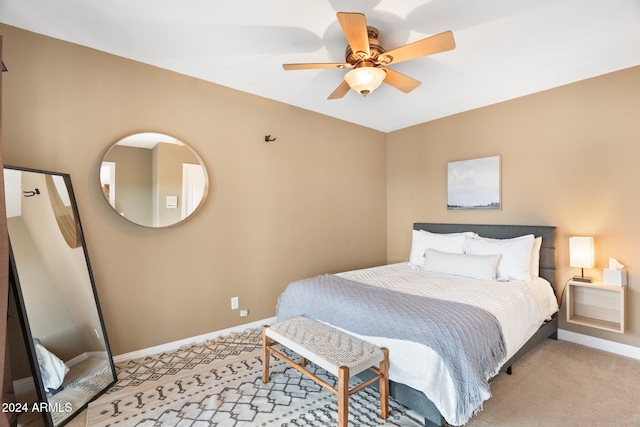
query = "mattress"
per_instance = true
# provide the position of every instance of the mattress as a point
(520, 307)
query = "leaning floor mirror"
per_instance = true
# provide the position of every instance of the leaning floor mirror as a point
(56, 304)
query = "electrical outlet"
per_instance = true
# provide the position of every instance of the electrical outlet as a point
(234, 303)
(244, 313)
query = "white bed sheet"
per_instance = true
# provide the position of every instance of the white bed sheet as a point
(519, 306)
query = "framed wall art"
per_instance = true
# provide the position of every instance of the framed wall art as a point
(474, 184)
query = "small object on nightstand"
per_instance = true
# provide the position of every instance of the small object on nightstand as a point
(615, 275)
(581, 255)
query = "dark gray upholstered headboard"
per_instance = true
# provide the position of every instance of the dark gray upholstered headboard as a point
(548, 234)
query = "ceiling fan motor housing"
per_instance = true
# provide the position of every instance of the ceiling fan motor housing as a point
(375, 47)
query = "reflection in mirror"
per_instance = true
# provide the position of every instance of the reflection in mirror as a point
(56, 302)
(153, 179)
(62, 209)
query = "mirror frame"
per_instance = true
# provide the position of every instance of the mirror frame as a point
(24, 318)
(194, 153)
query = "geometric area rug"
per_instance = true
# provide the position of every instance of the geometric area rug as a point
(219, 383)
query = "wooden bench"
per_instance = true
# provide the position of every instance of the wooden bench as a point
(339, 353)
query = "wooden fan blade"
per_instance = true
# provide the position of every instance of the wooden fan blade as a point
(401, 82)
(311, 66)
(340, 90)
(434, 44)
(354, 26)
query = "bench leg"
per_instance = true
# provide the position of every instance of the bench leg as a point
(384, 385)
(265, 354)
(343, 396)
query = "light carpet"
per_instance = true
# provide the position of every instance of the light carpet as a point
(563, 384)
(558, 383)
(220, 384)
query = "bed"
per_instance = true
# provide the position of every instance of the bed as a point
(493, 319)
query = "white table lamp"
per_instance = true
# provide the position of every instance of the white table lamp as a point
(581, 255)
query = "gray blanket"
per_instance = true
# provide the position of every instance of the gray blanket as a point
(468, 339)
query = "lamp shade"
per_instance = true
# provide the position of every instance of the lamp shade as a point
(581, 253)
(365, 80)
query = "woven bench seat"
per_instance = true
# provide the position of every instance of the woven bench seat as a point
(339, 353)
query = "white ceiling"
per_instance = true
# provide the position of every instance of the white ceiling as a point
(505, 48)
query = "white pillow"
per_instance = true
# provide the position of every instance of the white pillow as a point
(535, 257)
(422, 240)
(482, 267)
(52, 369)
(515, 263)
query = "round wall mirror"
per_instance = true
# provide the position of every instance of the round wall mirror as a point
(153, 179)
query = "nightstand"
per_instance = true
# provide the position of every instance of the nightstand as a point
(596, 305)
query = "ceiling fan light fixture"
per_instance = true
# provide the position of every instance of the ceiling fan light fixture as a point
(365, 80)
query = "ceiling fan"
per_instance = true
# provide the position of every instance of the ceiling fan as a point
(369, 59)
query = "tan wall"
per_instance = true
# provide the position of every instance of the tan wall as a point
(570, 158)
(312, 202)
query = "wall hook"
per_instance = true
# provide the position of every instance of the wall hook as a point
(31, 193)
(267, 138)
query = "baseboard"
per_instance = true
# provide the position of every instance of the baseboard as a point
(175, 345)
(600, 344)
